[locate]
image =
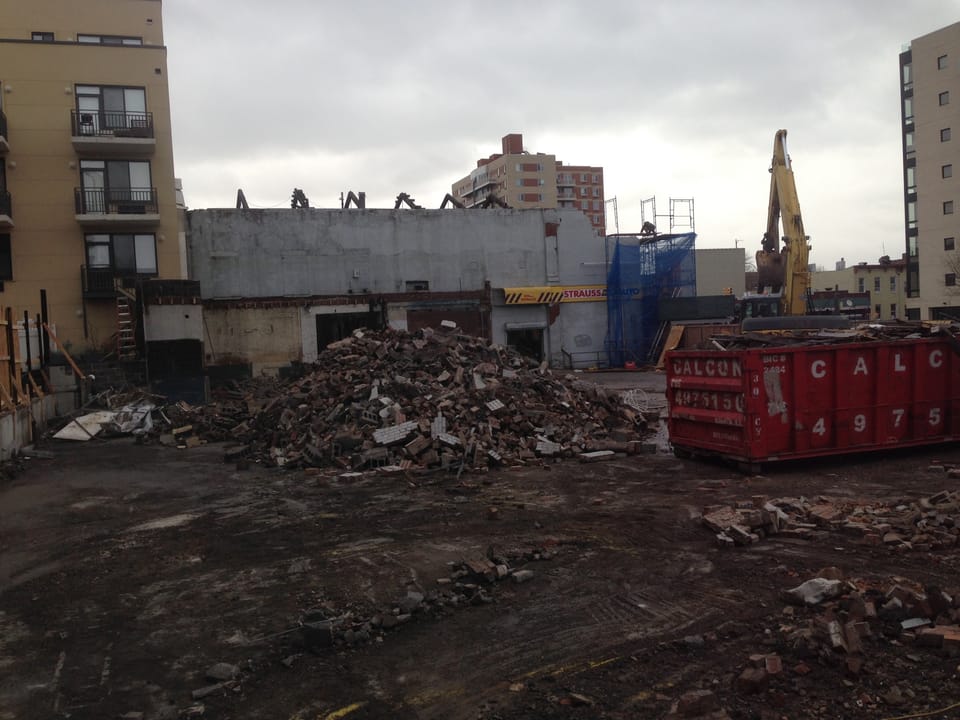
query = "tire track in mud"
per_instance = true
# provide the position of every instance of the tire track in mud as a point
(563, 624)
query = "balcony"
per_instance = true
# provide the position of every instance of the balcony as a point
(483, 184)
(97, 283)
(4, 145)
(117, 207)
(565, 181)
(113, 133)
(6, 210)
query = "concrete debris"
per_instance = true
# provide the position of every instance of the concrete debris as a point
(814, 591)
(471, 581)
(222, 672)
(931, 523)
(436, 399)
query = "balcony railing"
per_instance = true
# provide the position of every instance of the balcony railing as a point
(6, 203)
(116, 201)
(98, 282)
(107, 123)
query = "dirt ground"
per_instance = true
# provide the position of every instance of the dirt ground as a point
(127, 571)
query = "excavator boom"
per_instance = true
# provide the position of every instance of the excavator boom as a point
(784, 269)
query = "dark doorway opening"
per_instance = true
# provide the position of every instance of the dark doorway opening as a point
(337, 326)
(527, 342)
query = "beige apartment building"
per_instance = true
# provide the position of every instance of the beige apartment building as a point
(884, 281)
(930, 108)
(527, 180)
(87, 197)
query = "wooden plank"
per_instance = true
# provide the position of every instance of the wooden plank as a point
(33, 384)
(673, 340)
(62, 349)
(5, 396)
(46, 380)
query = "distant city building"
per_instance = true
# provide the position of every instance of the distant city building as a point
(930, 108)
(525, 180)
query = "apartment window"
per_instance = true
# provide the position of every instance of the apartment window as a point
(912, 246)
(908, 110)
(109, 107)
(596, 178)
(596, 192)
(893, 311)
(893, 283)
(109, 40)
(417, 285)
(596, 204)
(911, 179)
(945, 135)
(946, 171)
(876, 284)
(944, 97)
(907, 76)
(584, 177)
(584, 204)
(861, 285)
(41, 36)
(908, 141)
(913, 313)
(6, 258)
(584, 191)
(912, 214)
(876, 310)
(950, 279)
(942, 62)
(948, 207)
(124, 254)
(948, 244)
(109, 186)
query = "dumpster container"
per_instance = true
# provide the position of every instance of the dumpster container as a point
(763, 404)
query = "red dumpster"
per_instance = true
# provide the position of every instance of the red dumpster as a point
(761, 405)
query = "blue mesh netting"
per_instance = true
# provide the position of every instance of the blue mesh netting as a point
(640, 271)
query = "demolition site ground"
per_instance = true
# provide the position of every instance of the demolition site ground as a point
(141, 581)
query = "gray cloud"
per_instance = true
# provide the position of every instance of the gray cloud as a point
(673, 98)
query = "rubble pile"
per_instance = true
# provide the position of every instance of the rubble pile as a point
(866, 332)
(400, 401)
(845, 617)
(931, 523)
(469, 582)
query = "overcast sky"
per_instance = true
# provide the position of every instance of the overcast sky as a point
(674, 98)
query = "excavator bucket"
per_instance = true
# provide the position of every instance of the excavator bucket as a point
(771, 271)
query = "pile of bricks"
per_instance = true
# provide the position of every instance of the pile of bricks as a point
(931, 523)
(857, 613)
(433, 399)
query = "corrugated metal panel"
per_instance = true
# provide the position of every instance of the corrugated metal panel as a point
(702, 307)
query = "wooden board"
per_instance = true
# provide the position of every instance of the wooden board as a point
(673, 340)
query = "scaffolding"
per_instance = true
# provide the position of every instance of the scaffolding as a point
(640, 271)
(680, 219)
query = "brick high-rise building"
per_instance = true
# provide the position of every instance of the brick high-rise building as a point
(527, 180)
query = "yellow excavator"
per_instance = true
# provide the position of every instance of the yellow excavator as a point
(782, 297)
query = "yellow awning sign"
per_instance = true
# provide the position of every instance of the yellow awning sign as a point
(551, 294)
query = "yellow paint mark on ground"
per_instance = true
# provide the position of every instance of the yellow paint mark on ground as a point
(571, 669)
(432, 696)
(343, 712)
